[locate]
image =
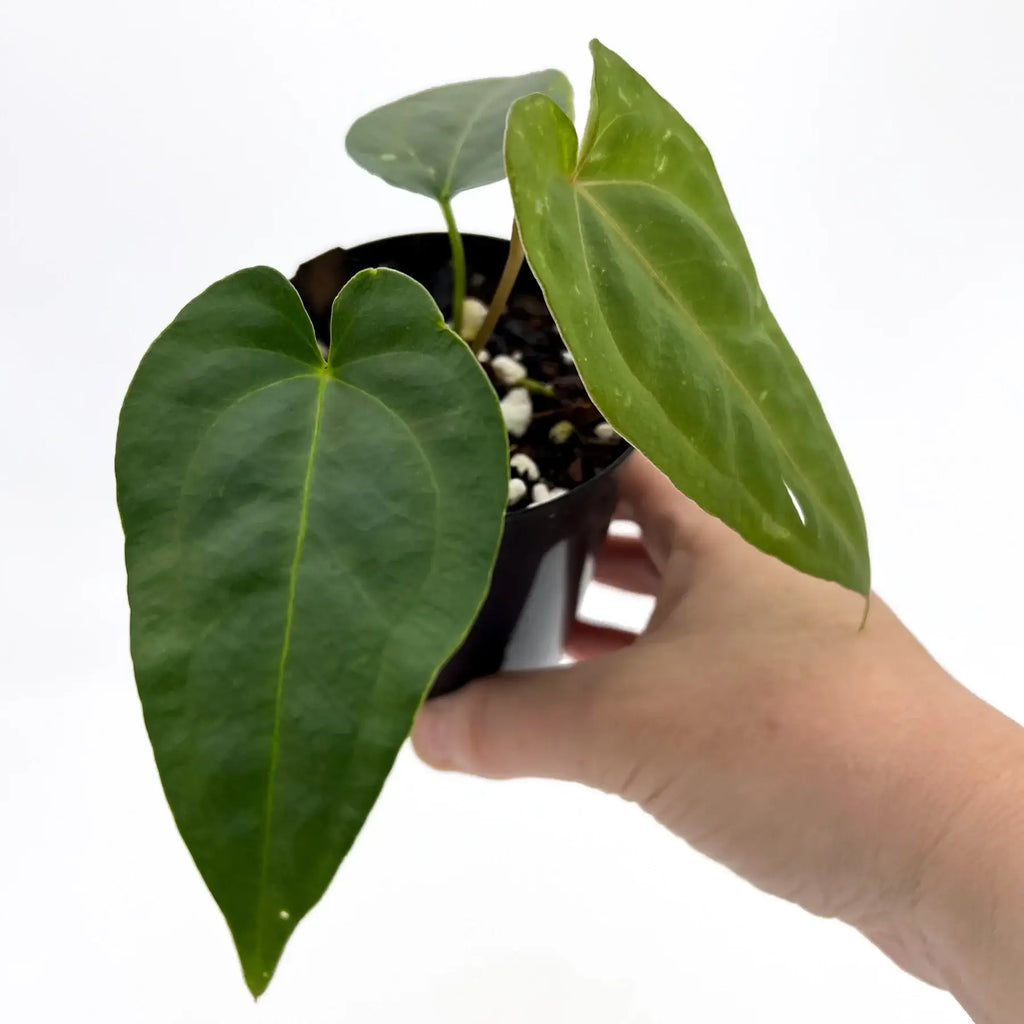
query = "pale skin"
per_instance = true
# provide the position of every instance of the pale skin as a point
(837, 767)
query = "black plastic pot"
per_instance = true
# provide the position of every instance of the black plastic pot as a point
(547, 551)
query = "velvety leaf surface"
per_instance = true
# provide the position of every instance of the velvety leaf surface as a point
(306, 543)
(443, 141)
(654, 291)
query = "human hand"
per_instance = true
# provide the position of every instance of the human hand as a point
(833, 766)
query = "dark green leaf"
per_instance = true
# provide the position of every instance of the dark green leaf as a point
(306, 544)
(446, 140)
(654, 291)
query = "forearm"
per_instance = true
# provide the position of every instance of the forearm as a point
(971, 912)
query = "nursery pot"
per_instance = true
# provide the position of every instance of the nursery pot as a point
(547, 550)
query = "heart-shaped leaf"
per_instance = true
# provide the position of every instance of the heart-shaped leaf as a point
(306, 543)
(443, 141)
(652, 287)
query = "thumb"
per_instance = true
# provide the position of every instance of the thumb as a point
(543, 724)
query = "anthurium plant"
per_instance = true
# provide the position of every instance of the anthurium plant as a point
(309, 536)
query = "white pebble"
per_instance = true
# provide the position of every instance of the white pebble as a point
(524, 466)
(474, 313)
(516, 490)
(508, 370)
(517, 409)
(605, 432)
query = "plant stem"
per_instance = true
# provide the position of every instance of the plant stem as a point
(458, 265)
(537, 387)
(503, 291)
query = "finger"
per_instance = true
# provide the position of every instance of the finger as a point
(586, 640)
(624, 512)
(624, 562)
(526, 724)
(667, 518)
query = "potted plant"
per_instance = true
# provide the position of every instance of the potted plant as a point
(311, 524)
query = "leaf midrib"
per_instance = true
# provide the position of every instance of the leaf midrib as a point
(734, 263)
(446, 187)
(329, 374)
(640, 383)
(604, 213)
(275, 742)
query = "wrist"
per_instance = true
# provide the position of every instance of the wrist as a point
(968, 909)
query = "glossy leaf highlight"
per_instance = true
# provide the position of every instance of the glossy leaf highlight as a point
(306, 543)
(647, 275)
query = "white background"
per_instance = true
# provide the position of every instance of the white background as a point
(872, 152)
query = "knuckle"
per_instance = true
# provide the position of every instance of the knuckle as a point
(475, 732)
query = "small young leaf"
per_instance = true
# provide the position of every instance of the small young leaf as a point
(306, 544)
(653, 289)
(443, 141)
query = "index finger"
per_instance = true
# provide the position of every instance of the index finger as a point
(667, 518)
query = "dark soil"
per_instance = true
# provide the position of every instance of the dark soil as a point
(525, 332)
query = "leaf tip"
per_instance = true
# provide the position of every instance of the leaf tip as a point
(257, 978)
(867, 610)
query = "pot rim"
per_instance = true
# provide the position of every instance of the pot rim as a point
(574, 494)
(570, 495)
(423, 234)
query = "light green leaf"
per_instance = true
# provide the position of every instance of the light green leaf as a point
(654, 291)
(443, 141)
(306, 544)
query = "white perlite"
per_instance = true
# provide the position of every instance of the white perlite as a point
(524, 466)
(605, 432)
(516, 490)
(561, 432)
(508, 370)
(483, 355)
(474, 312)
(517, 409)
(542, 493)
